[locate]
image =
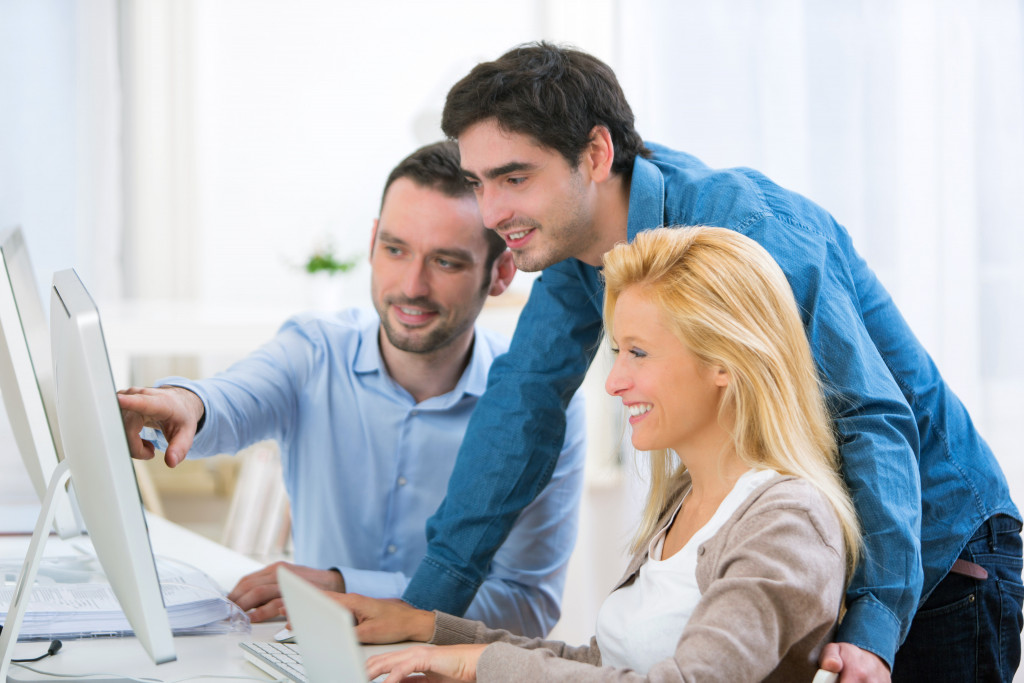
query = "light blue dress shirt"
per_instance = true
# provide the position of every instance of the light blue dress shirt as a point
(365, 465)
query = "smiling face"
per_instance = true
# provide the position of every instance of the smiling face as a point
(429, 277)
(540, 205)
(671, 396)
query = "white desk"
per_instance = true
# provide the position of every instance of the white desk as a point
(206, 656)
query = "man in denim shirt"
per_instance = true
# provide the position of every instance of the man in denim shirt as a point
(548, 143)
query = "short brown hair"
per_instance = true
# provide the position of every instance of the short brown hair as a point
(554, 94)
(436, 166)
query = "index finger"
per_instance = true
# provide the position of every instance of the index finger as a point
(133, 399)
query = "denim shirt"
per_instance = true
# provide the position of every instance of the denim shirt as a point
(904, 436)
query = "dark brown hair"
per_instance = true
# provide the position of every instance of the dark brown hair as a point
(554, 94)
(436, 166)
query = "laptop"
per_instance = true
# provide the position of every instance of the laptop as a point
(327, 648)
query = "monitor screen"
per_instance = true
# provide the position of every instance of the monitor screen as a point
(26, 374)
(101, 467)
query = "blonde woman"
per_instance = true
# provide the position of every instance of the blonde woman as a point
(748, 534)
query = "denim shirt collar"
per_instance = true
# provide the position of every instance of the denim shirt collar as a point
(646, 198)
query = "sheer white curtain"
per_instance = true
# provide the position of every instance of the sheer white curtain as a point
(903, 119)
(59, 155)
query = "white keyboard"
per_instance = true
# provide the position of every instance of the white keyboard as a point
(277, 659)
(280, 660)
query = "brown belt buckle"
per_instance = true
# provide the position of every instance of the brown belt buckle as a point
(975, 571)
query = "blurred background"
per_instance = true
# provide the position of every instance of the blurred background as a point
(188, 157)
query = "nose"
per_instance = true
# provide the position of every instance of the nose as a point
(617, 381)
(494, 210)
(415, 283)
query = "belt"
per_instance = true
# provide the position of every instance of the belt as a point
(966, 568)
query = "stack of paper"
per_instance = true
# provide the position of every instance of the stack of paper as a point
(69, 610)
(58, 608)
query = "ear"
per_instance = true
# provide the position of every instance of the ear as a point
(722, 376)
(502, 272)
(373, 238)
(599, 154)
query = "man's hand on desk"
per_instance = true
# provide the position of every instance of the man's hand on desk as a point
(260, 593)
(175, 411)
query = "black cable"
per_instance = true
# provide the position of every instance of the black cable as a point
(52, 650)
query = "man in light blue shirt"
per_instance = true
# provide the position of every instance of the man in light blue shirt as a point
(370, 409)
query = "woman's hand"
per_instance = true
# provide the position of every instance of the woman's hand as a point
(386, 621)
(443, 663)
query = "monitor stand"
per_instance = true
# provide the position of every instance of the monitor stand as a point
(27, 577)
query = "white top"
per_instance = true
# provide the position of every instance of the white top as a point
(640, 624)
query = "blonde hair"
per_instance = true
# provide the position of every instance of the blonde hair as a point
(730, 304)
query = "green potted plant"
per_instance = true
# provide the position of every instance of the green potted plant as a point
(324, 259)
(325, 265)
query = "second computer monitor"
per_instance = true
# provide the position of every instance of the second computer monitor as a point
(26, 375)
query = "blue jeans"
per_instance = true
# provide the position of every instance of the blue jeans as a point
(969, 629)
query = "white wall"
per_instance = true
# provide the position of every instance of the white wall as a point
(296, 112)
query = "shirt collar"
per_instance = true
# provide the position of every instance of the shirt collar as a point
(646, 198)
(473, 381)
(474, 377)
(368, 354)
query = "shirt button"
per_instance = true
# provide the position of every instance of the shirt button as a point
(700, 550)
(392, 549)
(402, 481)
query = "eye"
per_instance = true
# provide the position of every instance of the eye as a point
(473, 184)
(450, 264)
(392, 251)
(516, 180)
(614, 349)
(638, 353)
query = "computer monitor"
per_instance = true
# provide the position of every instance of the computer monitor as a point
(101, 467)
(26, 375)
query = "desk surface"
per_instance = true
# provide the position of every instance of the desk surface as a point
(204, 656)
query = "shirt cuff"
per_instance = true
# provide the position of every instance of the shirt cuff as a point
(374, 584)
(155, 437)
(871, 626)
(435, 587)
(199, 442)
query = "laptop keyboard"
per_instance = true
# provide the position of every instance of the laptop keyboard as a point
(281, 659)
(277, 659)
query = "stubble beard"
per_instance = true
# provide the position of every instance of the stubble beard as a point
(573, 237)
(410, 341)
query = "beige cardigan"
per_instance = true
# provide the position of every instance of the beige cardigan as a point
(771, 583)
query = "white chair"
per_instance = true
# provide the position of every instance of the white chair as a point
(259, 520)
